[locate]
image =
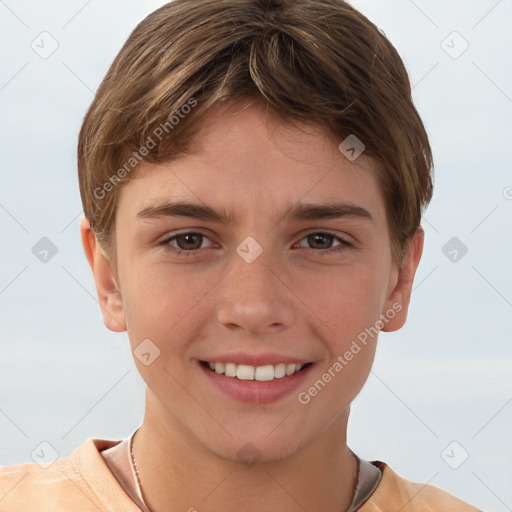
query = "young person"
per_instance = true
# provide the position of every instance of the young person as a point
(253, 175)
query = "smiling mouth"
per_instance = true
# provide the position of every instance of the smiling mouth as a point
(258, 373)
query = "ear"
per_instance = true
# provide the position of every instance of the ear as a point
(399, 298)
(109, 296)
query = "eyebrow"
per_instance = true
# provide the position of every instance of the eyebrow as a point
(299, 211)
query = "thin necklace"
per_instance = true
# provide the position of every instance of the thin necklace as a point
(136, 468)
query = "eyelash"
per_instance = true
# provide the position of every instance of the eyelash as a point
(183, 253)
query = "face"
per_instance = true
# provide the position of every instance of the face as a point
(264, 253)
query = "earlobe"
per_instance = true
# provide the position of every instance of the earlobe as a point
(398, 300)
(109, 296)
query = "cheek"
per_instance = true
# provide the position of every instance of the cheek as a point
(161, 304)
(345, 301)
(348, 310)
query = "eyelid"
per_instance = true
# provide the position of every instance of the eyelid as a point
(185, 231)
(336, 234)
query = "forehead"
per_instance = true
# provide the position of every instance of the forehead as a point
(226, 133)
(245, 159)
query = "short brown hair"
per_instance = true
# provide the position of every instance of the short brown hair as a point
(316, 61)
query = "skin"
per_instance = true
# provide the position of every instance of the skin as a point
(291, 300)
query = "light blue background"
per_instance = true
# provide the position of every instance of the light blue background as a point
(446, 376)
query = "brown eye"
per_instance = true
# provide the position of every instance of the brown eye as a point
(189, 241)
(324, 243)
(320, 240)
(186, 244)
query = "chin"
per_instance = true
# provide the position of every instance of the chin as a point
(257, 446)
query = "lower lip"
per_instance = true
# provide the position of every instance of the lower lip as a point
(254, 391)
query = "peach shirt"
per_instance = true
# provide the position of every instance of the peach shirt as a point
(83, 481)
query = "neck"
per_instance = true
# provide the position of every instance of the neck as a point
(178, 472)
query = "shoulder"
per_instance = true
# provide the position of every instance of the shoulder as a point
(28, 486)
(80, 481)
(395, 492)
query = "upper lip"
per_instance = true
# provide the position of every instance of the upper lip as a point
(256, 359)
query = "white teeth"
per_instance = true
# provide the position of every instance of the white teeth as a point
(259, 373)
(264, 372)
(230, 370)
(279, 371)
(244, 372)
(290, 368)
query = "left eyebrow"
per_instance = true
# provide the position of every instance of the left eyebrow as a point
(335, 210)
(300, 211)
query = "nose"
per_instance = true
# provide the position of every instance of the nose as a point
(255, 298)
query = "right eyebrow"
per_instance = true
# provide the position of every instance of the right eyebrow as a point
(186, 209)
